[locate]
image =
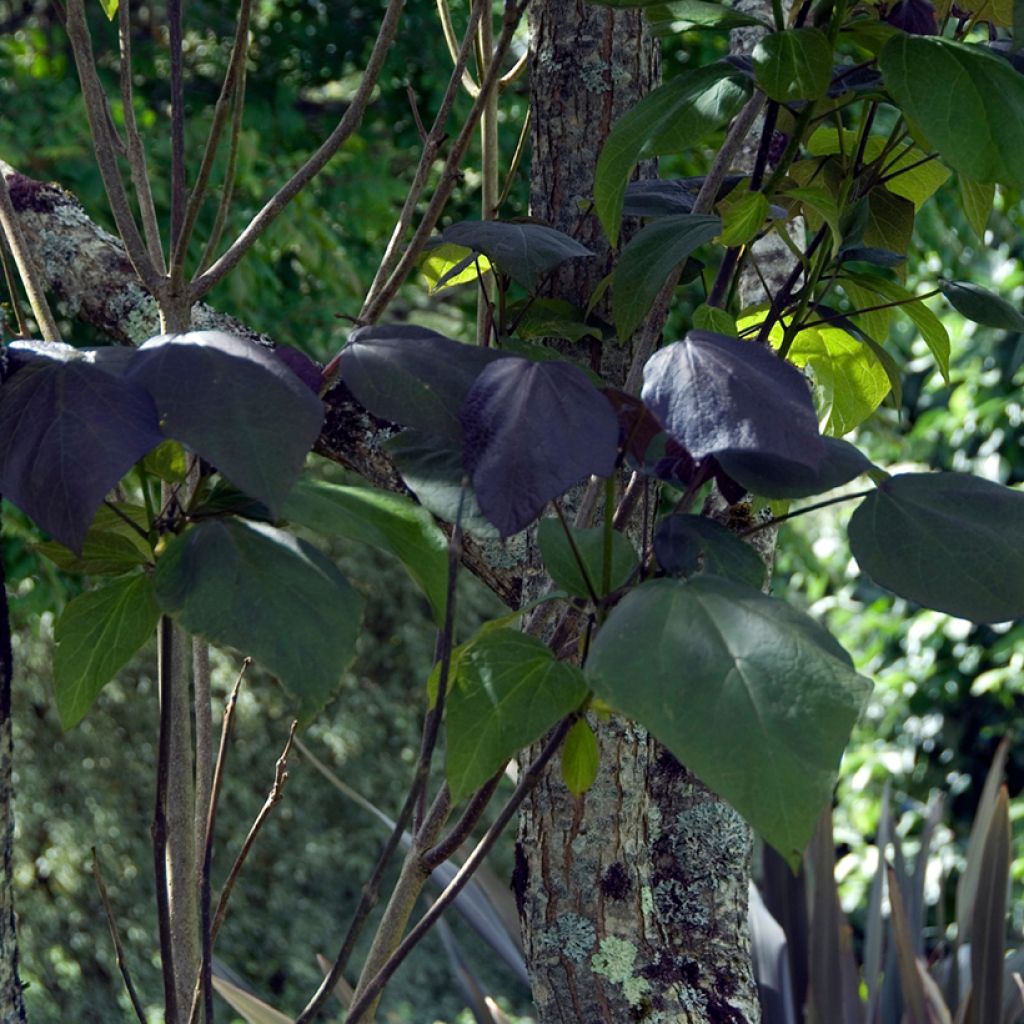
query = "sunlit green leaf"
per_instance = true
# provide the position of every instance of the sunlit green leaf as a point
(447, 265)
(743, 216)
(114, 543)
(580, 758)
(977, 200)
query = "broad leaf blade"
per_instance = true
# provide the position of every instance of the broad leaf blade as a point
(947, 541)
(794, 65)
(978, 127)
(112, 546)
(524, 251)
(510, 690)
(580, 758)
(560, 558)
(272, 596)
(647, 261)
(68, 432)
(412, 376)
(235, 404)
(389, 522)
(713, 394)
(96, 634)
(673, 117)
(532, 431)
(685, 545)
(751, 694)
(982, 306)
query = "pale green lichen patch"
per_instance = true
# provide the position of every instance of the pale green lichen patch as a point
(573, 936)
(615, 961)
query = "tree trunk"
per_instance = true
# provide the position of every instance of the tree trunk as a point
(12, 1002)
(633, 897)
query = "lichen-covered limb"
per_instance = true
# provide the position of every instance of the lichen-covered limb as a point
(86, 270)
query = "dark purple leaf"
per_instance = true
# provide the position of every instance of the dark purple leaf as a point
(855, 78)
(524, 251)
(302, 366)
(686, 544)
(68, 432)
(235, 404)
(532, 431)
(914, 16)
(717, 394)
(413, 376)
(773, 477)
(670, 196)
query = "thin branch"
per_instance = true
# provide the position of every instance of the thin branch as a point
(431, 147)
(178, 170)
(513, 74)
(229, 87)
(273, 798)
(462, 829)
(103, 140)
(454, 50)
(122, 964)
(159, 829)
(769, 524)
(12, 288)
(374, 307)
(27, 269)
(527, 781)
(133, 141)
(204, 983)
(348, 124)
(517, 156)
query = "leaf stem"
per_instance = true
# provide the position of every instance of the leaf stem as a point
(775, 520)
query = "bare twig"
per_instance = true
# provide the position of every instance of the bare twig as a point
(349, 122)
(462, 829)
(178, 171)
(431, 146)
(527, 781)
(12, 288)
(104, 144)
(273, 798)
(455, 51)
(380, 298)
(230, 86)
(27, 269)
(133, 142)
(122, 964)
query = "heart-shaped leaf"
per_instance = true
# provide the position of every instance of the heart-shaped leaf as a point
(948, 541)
(562, 559)
(748, 692)
(412, 376)
(685, 545)
(714, 394)
(112, 546)
(524, 251)
(532, 431)
(509, 691)
(96, 634)
(235, 404)
(648, 259)
(68, 432)
(794, 65)
(978, 128)
(389, 522)
(261, 590)
(771, 476)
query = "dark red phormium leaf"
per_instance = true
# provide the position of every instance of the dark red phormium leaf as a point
(235, 404)
(68, 432)
(533, 430)
(714, 394)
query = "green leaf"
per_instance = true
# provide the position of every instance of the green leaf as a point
(247, 1006)
(111, 546)
(673, 118)
(96, 634)
(270, 595)
(711, 318)
(109, 8)
(388, 522)
(875, 322)
(563, 567)
(794, 65)
(890, 222)
(947, 541)
(580, 758)
(167, 462)
(819, 204)
(686, 544)
(977, 200)
(982, 306)
(681, 15)
(930, 326)
(549, 318)
(447, 265)
(647, 261)
(743, 216)
(510, 690)
(751, 694)
(978, 127)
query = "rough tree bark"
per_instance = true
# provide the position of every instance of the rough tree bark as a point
(634, 896)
